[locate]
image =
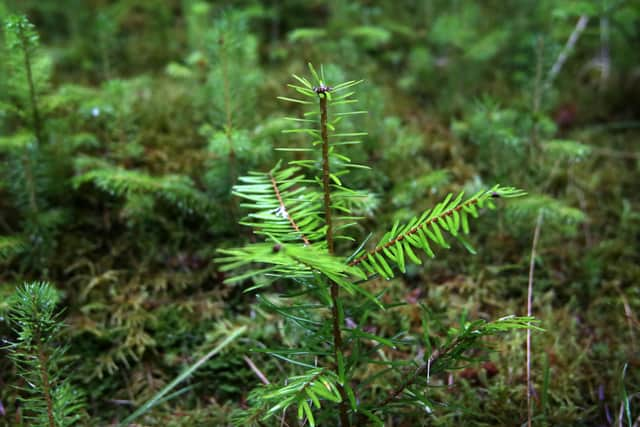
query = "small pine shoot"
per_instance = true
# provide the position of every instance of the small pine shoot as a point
(48, 398)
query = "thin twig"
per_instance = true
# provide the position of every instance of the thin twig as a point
(256, 371)
(536, 236)
(411, 378)
(631, 319)
(284, 211)
(568, 47)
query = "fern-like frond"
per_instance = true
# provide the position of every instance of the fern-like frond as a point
(555, 211)
(175, 189)
(451, 216)
(283, 207)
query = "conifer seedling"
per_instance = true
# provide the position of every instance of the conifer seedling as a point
(302, 213)
(47, 396)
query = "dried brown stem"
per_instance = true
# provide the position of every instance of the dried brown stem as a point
(257, 371)
(532, 264)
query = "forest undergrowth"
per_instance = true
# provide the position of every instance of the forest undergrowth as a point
(191, 236)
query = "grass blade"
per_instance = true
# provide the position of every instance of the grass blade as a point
(184, 375)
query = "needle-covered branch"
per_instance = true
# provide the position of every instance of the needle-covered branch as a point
(450, 216)
(281, 205)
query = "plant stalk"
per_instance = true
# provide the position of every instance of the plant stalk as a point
(228, 111)
(35, 113)
(35, 117)
(30, 183)
(46, 386)
(325, 171)
(532, 265)
(228, 107)
(335, 289)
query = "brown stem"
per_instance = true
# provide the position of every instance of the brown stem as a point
(338, 351)
(276, 190)
(335, 289)
(325, 170)
(46, 387)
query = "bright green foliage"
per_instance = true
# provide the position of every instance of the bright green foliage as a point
(460, 340)
(281, 199)
(451, 216)
(284, 261)
(305, 392)
(294, 214)
(49, 398)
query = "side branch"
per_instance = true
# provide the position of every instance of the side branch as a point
(284, 211)
(415, 229)
(412, 377)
